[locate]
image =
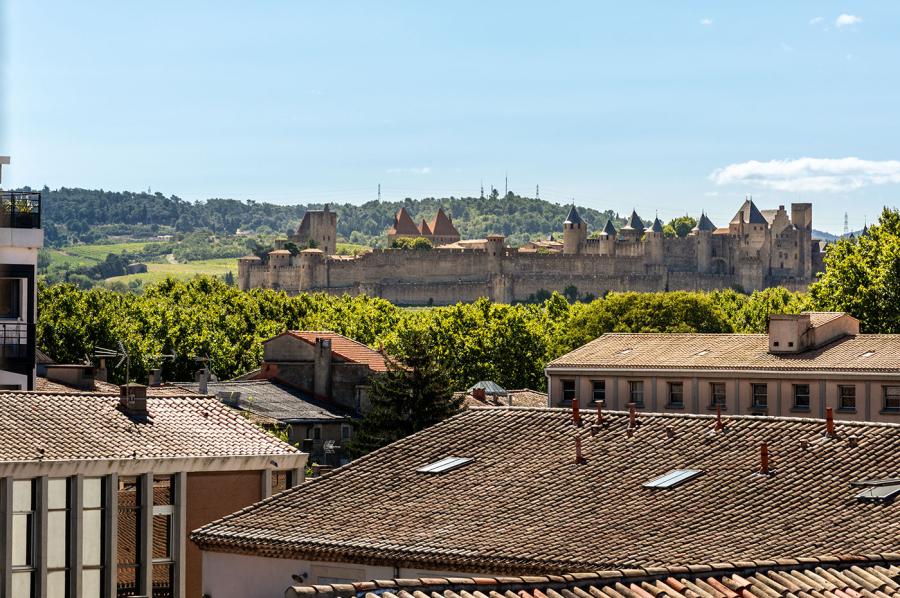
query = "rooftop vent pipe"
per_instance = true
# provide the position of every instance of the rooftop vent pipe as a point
(576, 413)
(764, 459)
(579, 458)
(829, 422)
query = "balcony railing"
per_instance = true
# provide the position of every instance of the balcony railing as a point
(20, 209)
(16, 340)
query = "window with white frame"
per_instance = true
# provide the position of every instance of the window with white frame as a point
(58, 525)
(92, 547)
(163, 535)
(23, 538)
(128, 539)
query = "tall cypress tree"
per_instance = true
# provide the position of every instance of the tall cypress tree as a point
(413, 394)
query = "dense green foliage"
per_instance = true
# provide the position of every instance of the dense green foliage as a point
(679, 227)
(509, 344)
(415, 393)
(408, 243)
(862, 276)
(84, 215)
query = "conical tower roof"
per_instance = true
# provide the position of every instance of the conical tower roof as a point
(657, 225)
(704, 224)
(573, 217)
(424, 228)
(634, 223)
(609, 229)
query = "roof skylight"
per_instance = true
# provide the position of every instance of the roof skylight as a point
(625, 351)
(868, 354)
(445, 464)
(878, 490)
(673, 478)
(702, 353)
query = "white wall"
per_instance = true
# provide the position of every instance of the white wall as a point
(228, 575)
(11, 378)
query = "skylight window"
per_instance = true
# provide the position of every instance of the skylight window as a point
(878, 490)
(673, 478)
(625, 351)
(445, 464)
(868, 354)
(702, 353)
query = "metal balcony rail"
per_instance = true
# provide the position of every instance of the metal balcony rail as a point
(14, 340)
(20, 209)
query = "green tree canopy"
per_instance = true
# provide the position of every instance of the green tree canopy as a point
(862, 277)
(679, 227)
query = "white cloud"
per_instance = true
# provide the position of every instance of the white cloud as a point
(706, 22)
(816, 20)
(422, 170)
(846, 20)
(809, 174)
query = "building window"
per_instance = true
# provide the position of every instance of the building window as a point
(717, 394)
(23, 540)
(598, 390)
(892, 398)
(568, 391)
(58, 522)
(345, 431)
(317, 432)
(163, 539)
(10, 298)
(760, 394)
(129, 539)
(92, 549)
(847, 398)
(280, 481)
(801, 397)
(636, 392)
(676, 395)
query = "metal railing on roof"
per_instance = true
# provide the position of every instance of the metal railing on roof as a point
(20, 209)
(14, 339)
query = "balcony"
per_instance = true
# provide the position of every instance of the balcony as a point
(16, 342)
(20, 209)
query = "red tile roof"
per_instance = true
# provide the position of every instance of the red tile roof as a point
(80, 426)
(441, 226)
(523, 506)
(832, 576)
(345, 348)
(403, 224)
(516, 398)
(731, 351)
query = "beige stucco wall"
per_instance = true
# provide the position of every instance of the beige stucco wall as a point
(823, 391)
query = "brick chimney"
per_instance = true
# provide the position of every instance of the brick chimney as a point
(322, 365)
(133, 399)
(203, 381)
(155, 378)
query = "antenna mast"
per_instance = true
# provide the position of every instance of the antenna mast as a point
(846, 225)
(379, 191)
(537, 191)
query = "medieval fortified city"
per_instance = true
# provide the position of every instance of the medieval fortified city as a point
(449, 300)
(756, 250)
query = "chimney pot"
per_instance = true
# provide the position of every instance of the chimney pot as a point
(599, 413)
(203, 380)
(829, 422)
(720, 425)
(576, 413)
(133, 398)
(155, 378)
(631, 416)
(579, 458)
(853, 440)
(764, 459)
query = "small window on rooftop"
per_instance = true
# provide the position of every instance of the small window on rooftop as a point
(868, 354)
(673, 478)
(878, 490)
(702, 353)
(445, 464)
(625, 351)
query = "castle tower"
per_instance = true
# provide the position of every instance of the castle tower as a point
(633, 229)
(608, 237)
(655, 242)
(801, 218)
(574, 232)
(310, 261)
(318, 230)
(703, 231)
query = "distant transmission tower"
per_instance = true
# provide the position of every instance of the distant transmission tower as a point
(379, 191)
(482, 188)
(846, 225)
(537, 191)
(505, 185)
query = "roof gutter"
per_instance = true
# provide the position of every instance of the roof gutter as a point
(590, 369)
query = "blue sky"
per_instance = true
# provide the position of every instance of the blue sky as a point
(667, 107)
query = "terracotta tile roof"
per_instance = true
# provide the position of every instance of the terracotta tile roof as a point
(441, 226)
(731, 351)
(345, 348)
(403, 224)
(108, 388)
(90, 426)
(877, 575)
(818, 318)
(519, 398)
(523, 506)
(423, 228)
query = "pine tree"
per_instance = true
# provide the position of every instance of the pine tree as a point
(413, 394)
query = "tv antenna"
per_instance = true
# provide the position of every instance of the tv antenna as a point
(121, 353)
(379, 191)
(846, 225)
(537, 191)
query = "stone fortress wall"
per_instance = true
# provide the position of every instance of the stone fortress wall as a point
(757, 250)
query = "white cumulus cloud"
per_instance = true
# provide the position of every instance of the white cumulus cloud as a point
(706, 22)
(809, 174)
(816, 20)
(422, 170)
(846, 20)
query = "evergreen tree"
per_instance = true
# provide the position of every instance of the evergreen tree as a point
(413, 394)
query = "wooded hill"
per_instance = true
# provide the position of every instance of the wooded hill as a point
(72, 215)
